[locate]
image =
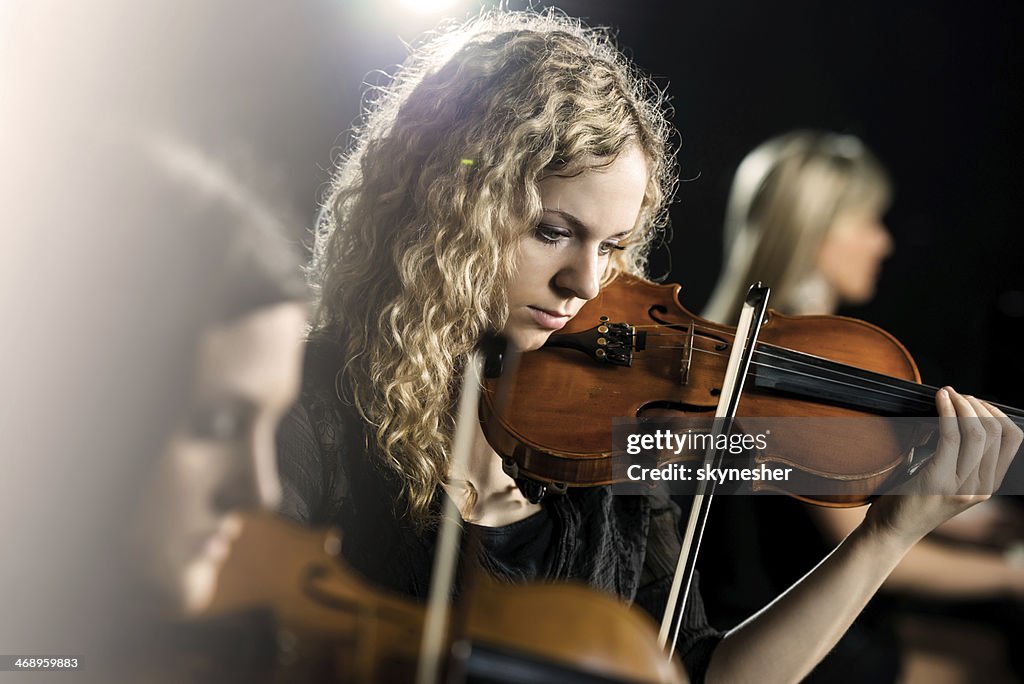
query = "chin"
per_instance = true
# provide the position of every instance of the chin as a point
(198, 585)
(861, 296)
(528, 340)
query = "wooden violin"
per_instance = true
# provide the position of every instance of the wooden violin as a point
(635, 347)
(335, 626)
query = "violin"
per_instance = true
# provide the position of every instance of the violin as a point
(335, 626)
(636, 347)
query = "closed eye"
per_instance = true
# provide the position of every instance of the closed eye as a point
(556, 235)
(551, 235)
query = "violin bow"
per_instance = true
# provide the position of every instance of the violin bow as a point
(491, 357)
(450, 533)
(752, 315)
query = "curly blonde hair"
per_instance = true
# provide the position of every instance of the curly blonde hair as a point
(417, 240)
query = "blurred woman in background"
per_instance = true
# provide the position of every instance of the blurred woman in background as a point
(805, 217)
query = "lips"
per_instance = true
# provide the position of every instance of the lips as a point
(550, 320)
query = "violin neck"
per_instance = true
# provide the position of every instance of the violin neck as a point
(784, 371)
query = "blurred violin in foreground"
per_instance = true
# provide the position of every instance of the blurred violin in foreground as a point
(334, 626)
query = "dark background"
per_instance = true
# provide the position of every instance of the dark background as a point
(933, 88)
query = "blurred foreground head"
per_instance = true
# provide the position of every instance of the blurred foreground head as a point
(219, 458)
(159, 321)
(143, 284)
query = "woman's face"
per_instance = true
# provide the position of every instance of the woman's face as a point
(852, 253)
(562, 260)
(221, 457)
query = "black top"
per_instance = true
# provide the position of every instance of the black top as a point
(626, 545)
(521, 548)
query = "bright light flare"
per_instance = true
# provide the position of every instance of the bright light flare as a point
(427, 7)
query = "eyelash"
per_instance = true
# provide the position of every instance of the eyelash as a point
(551, 236)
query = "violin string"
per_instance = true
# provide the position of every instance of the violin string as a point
(913, 391)
(911, 399)
(880, 395)
(906, 390)
(916, 394)
(903, 388)
(919, 395)
(858, 382)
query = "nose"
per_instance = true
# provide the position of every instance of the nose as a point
(581, 275)
(268, 482)
(253, 480)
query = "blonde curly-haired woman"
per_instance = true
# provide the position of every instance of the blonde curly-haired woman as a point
(514, 166)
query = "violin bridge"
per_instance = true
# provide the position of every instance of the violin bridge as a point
(686, 358)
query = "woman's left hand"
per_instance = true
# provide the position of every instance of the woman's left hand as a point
(977, 443)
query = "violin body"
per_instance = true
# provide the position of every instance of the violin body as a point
(336, 626)
(556, 418)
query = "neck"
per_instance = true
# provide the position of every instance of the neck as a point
(484, 493)
(812, 296)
